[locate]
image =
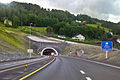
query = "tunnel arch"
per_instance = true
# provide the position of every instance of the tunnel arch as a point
(56, 52)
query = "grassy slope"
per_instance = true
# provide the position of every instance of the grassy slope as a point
(35, 30)
(12, 39)
(95, 26)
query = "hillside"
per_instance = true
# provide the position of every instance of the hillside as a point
(26, 13)
(34, 30)
(12, 40)
(56, 22)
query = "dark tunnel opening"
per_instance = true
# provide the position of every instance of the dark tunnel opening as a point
(49, 52)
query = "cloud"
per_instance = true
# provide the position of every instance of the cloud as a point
(101, 9)
(114, 18)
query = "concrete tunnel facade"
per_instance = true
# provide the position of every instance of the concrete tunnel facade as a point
(42, 47)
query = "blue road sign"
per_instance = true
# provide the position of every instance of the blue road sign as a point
(106, 46)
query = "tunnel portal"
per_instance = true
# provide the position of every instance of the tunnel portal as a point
(49, 51)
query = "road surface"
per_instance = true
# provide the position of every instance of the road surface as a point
(17, 69)
(63, 68)
(69, 68)
(38, 39)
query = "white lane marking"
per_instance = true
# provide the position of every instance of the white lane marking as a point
(82, 71)
(88, 78)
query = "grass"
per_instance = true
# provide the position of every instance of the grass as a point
(35, 30)
(95, 26)
(12, 39)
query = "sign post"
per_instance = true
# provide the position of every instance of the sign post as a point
(106, 54)
(30, 51)
(107, 46)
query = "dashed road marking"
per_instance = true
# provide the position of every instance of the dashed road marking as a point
(88, 78)
(81, 71)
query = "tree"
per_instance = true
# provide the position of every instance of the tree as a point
(15, 21)
(69, 31)
(49, 29)
(59, 25)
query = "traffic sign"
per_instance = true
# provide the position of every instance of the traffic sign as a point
(30, 50)
(107, 46)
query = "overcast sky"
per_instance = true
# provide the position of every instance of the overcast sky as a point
(103, 9)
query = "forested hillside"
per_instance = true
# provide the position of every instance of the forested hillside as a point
(61, 22)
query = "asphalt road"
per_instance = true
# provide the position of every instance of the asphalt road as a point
(69, 68)
(63, 68)
(16, 70)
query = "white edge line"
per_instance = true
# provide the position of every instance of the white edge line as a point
(102, 63)
(109, 65)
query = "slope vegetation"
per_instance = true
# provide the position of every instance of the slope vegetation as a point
(12, 40)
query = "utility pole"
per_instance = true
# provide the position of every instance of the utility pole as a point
(30, 41)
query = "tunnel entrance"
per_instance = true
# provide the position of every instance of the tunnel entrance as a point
(49, 51)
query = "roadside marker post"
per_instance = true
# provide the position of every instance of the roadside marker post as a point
(26, 67)
(107, 46)
(70, 53)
